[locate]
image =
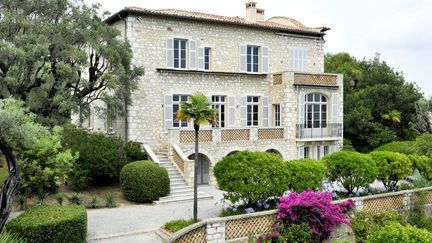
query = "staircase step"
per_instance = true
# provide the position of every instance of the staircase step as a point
(183, 190)
(183, 194)
(173, 184)
(181, 187)
(181, 199)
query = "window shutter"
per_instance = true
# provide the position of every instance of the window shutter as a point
(231, 111)
(168, 112)
(201, 58)
(170, 53)
(304, 60)
(291, 59)
(265, 60)
(265, 106)
(243, 111)
(243, 58)
(301, 152)
(301, 109)
(193, 58)
(334, 107)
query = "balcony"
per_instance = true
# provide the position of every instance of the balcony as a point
(307, 79)
(218, 135)
(327, 131)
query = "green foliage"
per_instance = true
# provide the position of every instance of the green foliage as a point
(144, 181)
(403, 147)
(347, 145)
(392, 167)
(305, 174)
(423, 164)
(296, 233)
(381, 107)
(6, 237)
(353, 170)
(51, 224)
(110, 201)
(423, 145)
(41, 197)
(95, 202)
(365, 223)
(59, 56)
(396, 233)
(22, 202)
(197, 109)
(250, 177)
(176, 225)
(77, 198)
(59, 198)
(101, 157)
(419, 219)
(134, 152)
(44, 167)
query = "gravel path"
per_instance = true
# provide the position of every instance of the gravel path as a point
(106, 223)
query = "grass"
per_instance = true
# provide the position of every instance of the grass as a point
(176, 225)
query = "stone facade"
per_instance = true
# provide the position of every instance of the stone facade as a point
(151, 109)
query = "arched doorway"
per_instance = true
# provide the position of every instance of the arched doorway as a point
(232, 152)
(203, 168)
(274, 151)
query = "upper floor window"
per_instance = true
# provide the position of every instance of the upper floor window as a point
(207, 58)
(177, 99)
(252, 105)
(298, 59)
(252, 58)
(315, 110)
(180, 53)
(111, 119)
(219, 104)
(277, 115)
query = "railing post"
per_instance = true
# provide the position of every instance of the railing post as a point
(215, 232)
(407, 200)
(358, 204)
(253, 133)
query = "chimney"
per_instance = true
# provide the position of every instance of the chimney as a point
(254, 14)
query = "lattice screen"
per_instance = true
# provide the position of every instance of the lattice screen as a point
(178, 160)
(243, 227)
(277, 79)
(421, 198)
(197, 235)
(235, 134)
(189, 136)
(315, 79)
(270, 133)
(384, 203)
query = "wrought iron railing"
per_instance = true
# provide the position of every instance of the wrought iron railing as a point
(321, 130)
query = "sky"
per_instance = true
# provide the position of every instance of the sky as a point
(399, 30)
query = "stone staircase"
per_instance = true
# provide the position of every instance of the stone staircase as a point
(179, 190)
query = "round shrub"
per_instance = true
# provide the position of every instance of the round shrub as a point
(251, 177)
(144, 181)
(305, 174)
(51, 224)
(396, 233)
(392, 167)
(352, 169)
(423, 164)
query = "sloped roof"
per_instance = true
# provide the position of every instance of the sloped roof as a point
(175, 13)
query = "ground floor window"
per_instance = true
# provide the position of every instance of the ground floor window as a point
(252, 110)
(277, 115)
(306, 152)
(219, 104)
(177, 99)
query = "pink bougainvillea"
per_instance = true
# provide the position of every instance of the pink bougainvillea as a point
(315, 209)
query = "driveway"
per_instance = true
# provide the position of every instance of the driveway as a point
(138, 223)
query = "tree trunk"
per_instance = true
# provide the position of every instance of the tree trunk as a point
(195, 206)
(10, 186)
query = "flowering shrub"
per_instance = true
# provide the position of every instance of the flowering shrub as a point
(315, 209)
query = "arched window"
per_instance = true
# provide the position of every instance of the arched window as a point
(315, 110)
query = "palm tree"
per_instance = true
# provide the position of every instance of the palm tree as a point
(197, 110)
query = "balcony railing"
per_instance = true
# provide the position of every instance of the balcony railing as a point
(323, 130)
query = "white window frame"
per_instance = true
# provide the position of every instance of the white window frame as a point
(252, 108)
(179, 53)
(221, 114)
(298, 58)
(176, 104)
(250, 62)
(277, 115)
(111, 118)
(208, 56)
(316, 111)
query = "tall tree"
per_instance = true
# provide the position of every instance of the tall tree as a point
(197, 110)
(59, 57)
(379, 104)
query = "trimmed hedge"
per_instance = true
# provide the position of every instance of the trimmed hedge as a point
(51, 224)
(365, 223)
(397, 233)
(144, 181)
(305, 174)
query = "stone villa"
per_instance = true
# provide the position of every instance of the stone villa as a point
(266, 77)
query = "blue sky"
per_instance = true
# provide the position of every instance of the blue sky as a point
(399, 30)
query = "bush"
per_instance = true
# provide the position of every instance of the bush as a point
(51, 224)
(176, 225)
(134, 152)
(315, 210)
(251, 177)
(423, 164)
(59, 198)
(144, 181)
(352, 169)
(365, 223)
(403, 147)
(305, 174)
(419, 219)
(392, 167)
(396, 233)
(292, 233)
(101, 158)
(110, 201)
(5, 237)
(95, 202)
(423, 145)
(76, 198)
